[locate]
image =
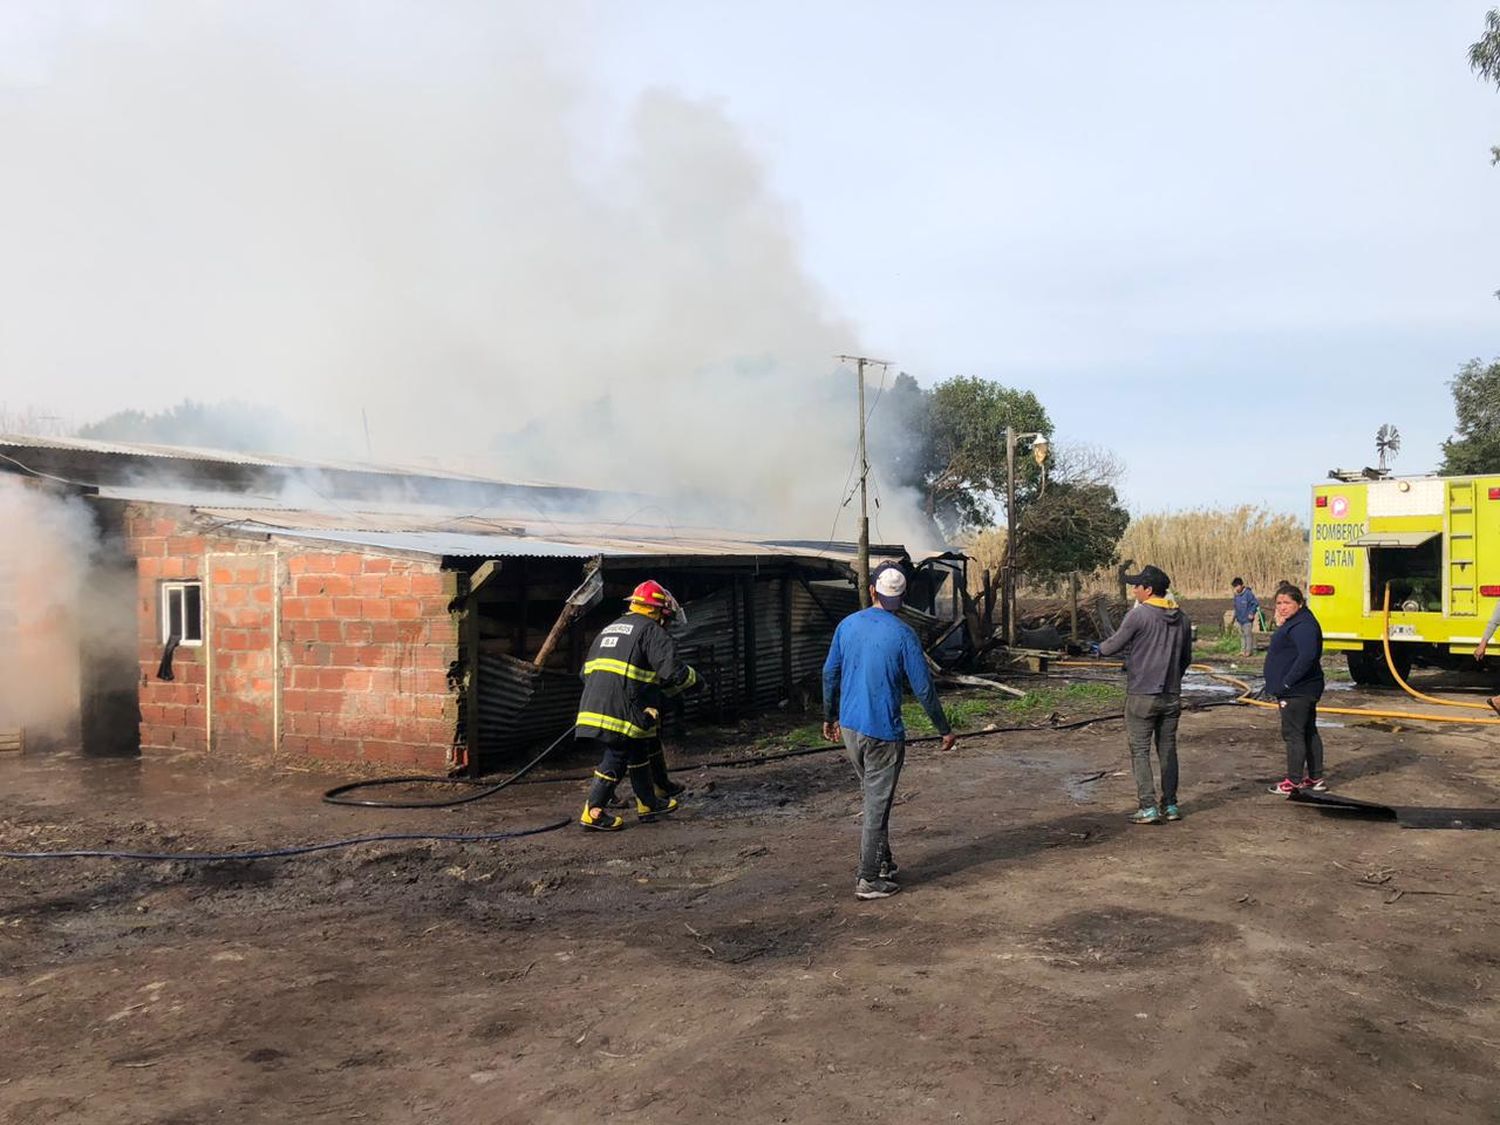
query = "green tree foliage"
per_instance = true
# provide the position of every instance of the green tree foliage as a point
(1484, 59)
(1071, 525)
(1476, 401)
(220, 425)
(955, 455)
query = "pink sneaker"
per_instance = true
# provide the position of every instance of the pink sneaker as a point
(1285, 787)
(1315, 784)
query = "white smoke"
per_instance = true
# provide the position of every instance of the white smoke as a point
(420, 214)
(44, 558)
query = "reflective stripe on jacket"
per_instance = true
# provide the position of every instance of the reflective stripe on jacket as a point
(631, 665)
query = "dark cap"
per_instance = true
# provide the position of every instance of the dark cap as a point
(1152, 576)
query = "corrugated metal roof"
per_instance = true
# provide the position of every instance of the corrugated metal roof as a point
(260, 460)
(436, 530)
(437, 543)
(499, 545)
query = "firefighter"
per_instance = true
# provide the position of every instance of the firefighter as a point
(632, 665)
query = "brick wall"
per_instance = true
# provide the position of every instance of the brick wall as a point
(173, 715)
(366, 643)
(342, 656)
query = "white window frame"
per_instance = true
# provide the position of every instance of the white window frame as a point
(179, 589)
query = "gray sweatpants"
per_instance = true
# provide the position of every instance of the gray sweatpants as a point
(878, 765)
(1247, 637)
(1151, 718)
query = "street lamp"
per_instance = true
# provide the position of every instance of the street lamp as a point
(1039, 448)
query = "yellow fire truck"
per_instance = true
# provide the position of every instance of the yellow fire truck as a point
(1435, 541)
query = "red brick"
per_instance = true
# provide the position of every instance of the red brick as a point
(330, 632)
(396, 586)
(348, 564)
(428, 584)
(377, 566)
(375, 609)
(406, 609)
(319, 607)
(148, 568)
(436, 608)
(185, 545)
(221, 576)
(346, 607)
(359, 632)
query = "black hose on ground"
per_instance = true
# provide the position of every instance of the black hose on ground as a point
(335, 796)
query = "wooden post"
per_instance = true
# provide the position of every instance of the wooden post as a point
(1073, 606)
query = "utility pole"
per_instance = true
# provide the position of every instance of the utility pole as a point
(863, 565)
(1039, 447)
(1008, 587)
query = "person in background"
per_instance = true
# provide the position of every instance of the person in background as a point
(1156, 639)
(873, 655)
(1483, 647)
(1294, 678)
(1246, 607)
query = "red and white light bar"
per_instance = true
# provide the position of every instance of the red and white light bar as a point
(1320, 590)
(1489, 591)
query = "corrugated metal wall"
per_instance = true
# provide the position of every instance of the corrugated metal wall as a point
(784, 624)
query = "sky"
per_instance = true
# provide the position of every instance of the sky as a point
(621, 242)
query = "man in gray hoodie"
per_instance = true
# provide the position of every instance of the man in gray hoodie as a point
(1156, 640)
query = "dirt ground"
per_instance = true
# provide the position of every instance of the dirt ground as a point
(1047, 962)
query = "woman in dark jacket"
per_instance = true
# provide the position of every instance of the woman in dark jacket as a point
(1294, 678)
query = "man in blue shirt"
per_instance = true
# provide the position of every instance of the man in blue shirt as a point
(873, 655)
(1246, 607)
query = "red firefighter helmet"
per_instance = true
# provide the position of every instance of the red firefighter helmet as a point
(651, 594)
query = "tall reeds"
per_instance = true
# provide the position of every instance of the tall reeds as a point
(1200, 549)
(1204, 548)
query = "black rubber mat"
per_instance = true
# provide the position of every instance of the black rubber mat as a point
(1407, 816)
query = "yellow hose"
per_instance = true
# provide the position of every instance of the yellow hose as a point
(1385, 640)
(1244, 697)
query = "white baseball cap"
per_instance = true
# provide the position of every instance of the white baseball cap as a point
(890, 585)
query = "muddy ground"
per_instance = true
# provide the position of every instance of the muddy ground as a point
(1048, 962)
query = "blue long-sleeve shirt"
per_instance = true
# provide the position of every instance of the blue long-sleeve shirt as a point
(1246, 605)
(873, 654)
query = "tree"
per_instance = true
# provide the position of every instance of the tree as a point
(1076, 522)
(1484, 60)
(1070, 526)
(1476, 401)
(956, 456)
(221, 425)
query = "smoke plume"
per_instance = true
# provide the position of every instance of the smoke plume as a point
(421, 216)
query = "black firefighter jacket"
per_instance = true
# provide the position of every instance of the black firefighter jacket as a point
(632, 665)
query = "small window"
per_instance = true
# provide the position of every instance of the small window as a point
(182, 612)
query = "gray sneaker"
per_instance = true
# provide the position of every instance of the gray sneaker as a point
(875, 888)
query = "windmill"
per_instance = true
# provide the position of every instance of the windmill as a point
(1387, 443)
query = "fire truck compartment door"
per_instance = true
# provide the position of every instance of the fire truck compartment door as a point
(1394, 539)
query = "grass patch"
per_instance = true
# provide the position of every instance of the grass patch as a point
(796, 738)
(971, 711)
(1223, 644)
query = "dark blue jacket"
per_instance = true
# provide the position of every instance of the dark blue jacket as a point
(1293, 661)
(873, 656)
(1245, 606)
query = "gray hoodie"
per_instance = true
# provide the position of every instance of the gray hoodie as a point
(1157, 641)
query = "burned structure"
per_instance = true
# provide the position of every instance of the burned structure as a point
(278, 609)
